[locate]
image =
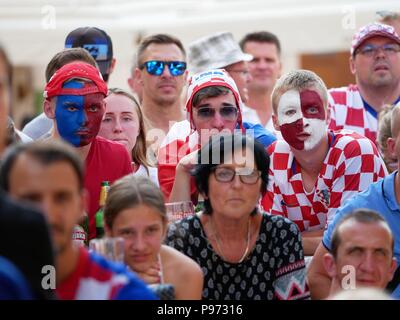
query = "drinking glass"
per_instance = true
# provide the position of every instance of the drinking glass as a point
(179, 210)
(110, 248)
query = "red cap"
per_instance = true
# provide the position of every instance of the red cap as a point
(75, 70)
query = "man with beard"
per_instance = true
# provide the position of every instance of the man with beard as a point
(313, 170)
(74, 100)
(375, 62)
(50, 174)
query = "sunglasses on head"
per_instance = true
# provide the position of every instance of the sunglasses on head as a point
(156, 67)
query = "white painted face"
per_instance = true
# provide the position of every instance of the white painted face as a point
(301, 118)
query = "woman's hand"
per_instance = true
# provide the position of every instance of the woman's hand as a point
(152, 275)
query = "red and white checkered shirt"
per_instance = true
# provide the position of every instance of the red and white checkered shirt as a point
(351, 165)
(349, 111)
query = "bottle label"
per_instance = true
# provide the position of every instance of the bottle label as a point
(79, 235)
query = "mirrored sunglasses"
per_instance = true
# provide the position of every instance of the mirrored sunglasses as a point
(156, 67)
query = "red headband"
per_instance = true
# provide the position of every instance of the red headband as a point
(75, 70)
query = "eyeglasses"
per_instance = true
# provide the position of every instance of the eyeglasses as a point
(227, 113)
(370, 50)
(246, 175)
(156, 67)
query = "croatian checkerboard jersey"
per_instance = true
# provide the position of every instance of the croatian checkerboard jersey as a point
(349, 111)
(351, 165)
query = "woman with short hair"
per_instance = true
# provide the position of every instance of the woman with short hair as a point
(244, 252)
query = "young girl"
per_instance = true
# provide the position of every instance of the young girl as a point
(135, 211)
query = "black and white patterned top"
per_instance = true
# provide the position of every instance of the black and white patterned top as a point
(274, 269)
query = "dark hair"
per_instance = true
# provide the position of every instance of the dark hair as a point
(6, 61)
(66, 56)
(261, 36)
(224, 146)
(209, 92)
(361, 216)
(45, 152)
(157, 39)
(129, 192)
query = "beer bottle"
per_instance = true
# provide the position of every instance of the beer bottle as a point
(105, 186)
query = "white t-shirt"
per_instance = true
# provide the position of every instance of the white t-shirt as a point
(153, 173)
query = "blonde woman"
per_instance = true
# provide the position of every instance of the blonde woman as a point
(123, 122)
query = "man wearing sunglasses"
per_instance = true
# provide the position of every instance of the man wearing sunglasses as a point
(161, 72)
(375, 62)
(221, 51)
(213, 106)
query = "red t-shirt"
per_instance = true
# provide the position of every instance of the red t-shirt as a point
(106, 161)
(96, 278)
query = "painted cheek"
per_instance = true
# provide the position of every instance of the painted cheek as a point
(290, 131)
(93, 119)
(308, 99)
(68, 122)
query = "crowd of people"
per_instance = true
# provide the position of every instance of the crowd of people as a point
(294, 186)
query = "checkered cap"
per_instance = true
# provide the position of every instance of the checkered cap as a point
(373, 30)
(215, 52)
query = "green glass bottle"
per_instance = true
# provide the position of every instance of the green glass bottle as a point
(105, 186)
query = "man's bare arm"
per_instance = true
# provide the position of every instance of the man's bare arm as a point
(318, 279)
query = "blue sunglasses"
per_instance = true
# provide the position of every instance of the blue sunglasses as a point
(156, 67)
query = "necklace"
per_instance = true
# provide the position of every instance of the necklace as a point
(247, 243)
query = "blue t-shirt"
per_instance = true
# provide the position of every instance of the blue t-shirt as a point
(261, 134)
(380, 197)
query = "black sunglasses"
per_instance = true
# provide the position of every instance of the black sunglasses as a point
(156, 67)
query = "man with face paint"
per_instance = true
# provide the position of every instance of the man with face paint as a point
(97, 44)
(74, 100)
(314, 170)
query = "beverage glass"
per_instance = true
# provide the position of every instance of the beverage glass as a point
(110, 248)
(179, 210)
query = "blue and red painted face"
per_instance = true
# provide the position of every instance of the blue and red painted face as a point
(78, 118)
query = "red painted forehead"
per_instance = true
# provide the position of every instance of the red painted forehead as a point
(312, 105)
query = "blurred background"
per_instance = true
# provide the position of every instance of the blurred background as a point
(315, 35)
